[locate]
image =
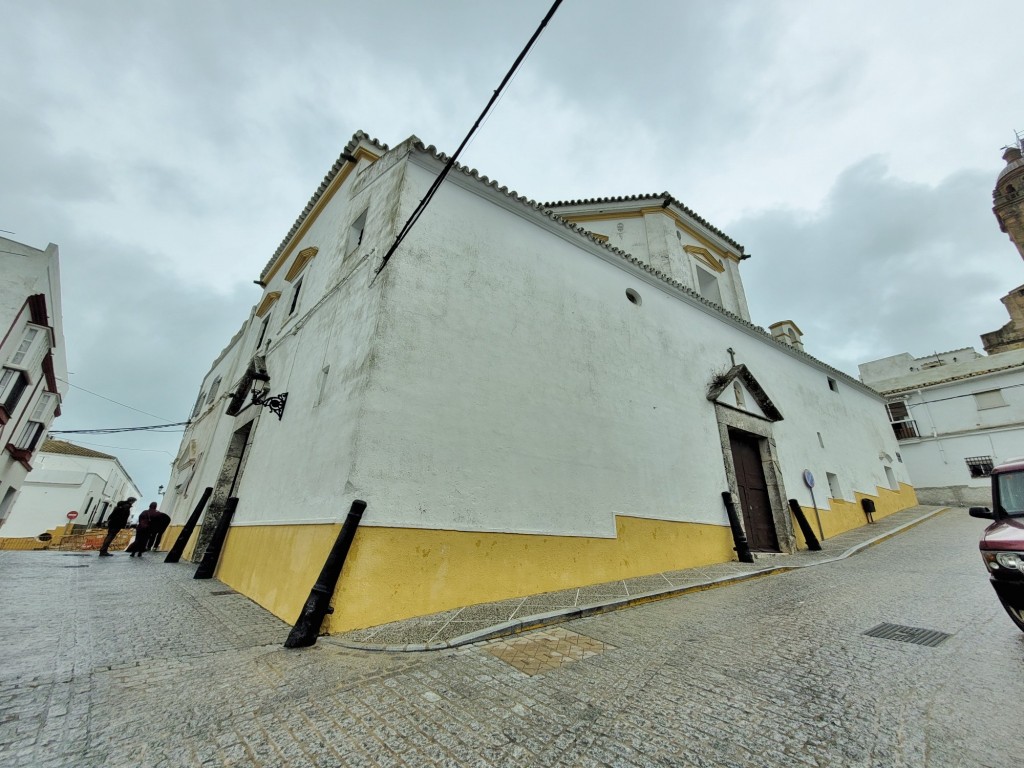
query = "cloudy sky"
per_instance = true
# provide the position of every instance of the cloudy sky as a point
(167, 147)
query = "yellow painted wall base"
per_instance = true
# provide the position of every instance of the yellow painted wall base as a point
(846, 515)
(397, 573)
(22, 544)
(171, 535)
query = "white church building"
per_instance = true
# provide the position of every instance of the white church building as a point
(529, 397)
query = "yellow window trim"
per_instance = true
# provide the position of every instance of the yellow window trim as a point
(637, 214)
(301, 260)
(268, 301)
(705, 257)
(325, 198)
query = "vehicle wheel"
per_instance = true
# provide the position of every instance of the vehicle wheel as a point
(1017, 614)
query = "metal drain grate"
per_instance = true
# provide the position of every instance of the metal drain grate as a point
(916, 635)
(224, 592)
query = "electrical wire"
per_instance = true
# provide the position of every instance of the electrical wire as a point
(109, 400)
(116, 430)
(123, 448)
(418, 211)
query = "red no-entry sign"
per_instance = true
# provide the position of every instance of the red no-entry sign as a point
(72, 515)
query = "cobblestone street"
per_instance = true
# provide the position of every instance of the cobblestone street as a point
(123, 662)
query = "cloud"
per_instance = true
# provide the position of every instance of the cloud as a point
(883, 266)
(167, 147)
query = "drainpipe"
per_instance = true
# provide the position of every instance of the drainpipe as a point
(174, 555)
(318, 604)
(213, 549)
(738, 536)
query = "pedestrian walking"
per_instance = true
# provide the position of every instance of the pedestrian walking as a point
(118, 519)
(160, 523)
(149, 521)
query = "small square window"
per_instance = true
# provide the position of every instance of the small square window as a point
(834, 488)
(296, 290)
(979, 466)
(213, 390)
(707, 285)
(263, 332)
(993, 398)
(832, 384)
(355, 233)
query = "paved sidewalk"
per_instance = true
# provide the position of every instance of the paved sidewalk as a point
(475, 623)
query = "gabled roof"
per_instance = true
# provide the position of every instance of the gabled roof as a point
(741, 372)
(65, 448)
(662, 198)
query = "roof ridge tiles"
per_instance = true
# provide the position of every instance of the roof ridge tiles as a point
(650, 196)
(357, 138)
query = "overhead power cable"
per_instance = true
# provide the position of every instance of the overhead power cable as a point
(109, 400)
(114, 430)
(123, 447)
(414, 217)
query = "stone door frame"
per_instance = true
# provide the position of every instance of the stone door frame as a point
(730, 418)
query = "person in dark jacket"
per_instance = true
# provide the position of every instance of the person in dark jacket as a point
(118, 519)
(161, 521)
(151, 524)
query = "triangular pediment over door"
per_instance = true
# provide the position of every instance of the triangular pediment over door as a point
(738, 389)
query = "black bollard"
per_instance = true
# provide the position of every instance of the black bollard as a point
(738, 536)
(317, 606)
(212, 554)
(174, 555)
(805, 527)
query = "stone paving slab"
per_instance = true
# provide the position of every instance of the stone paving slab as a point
(474, 623)
(129, 664)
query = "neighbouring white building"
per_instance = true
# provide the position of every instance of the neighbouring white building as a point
(956, 414)
(65, 478)
(528, 396)
(959, 413)
(33, 367)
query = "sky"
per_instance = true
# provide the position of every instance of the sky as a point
(167, 148)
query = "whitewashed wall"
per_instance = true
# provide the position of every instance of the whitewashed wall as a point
(495, 377)
(953, 428)
(60, 483)
(516, 388)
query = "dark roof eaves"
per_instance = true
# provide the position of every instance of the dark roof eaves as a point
(667, 198)
(950, 379)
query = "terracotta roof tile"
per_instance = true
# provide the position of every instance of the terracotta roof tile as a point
(70, 449)
(664, 197)
(343, 158)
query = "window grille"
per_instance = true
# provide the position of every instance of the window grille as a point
(979, 466)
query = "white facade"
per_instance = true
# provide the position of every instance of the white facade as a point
(509, 374)
(67, 477)
(957, 414)
(33, 367)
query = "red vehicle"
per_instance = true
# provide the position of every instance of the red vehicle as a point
(1002, 543)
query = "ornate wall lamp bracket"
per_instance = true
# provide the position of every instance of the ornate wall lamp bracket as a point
(275, 403)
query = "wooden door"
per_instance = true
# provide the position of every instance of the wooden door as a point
(754, 500)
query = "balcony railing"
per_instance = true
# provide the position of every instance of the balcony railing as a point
(905, 429)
